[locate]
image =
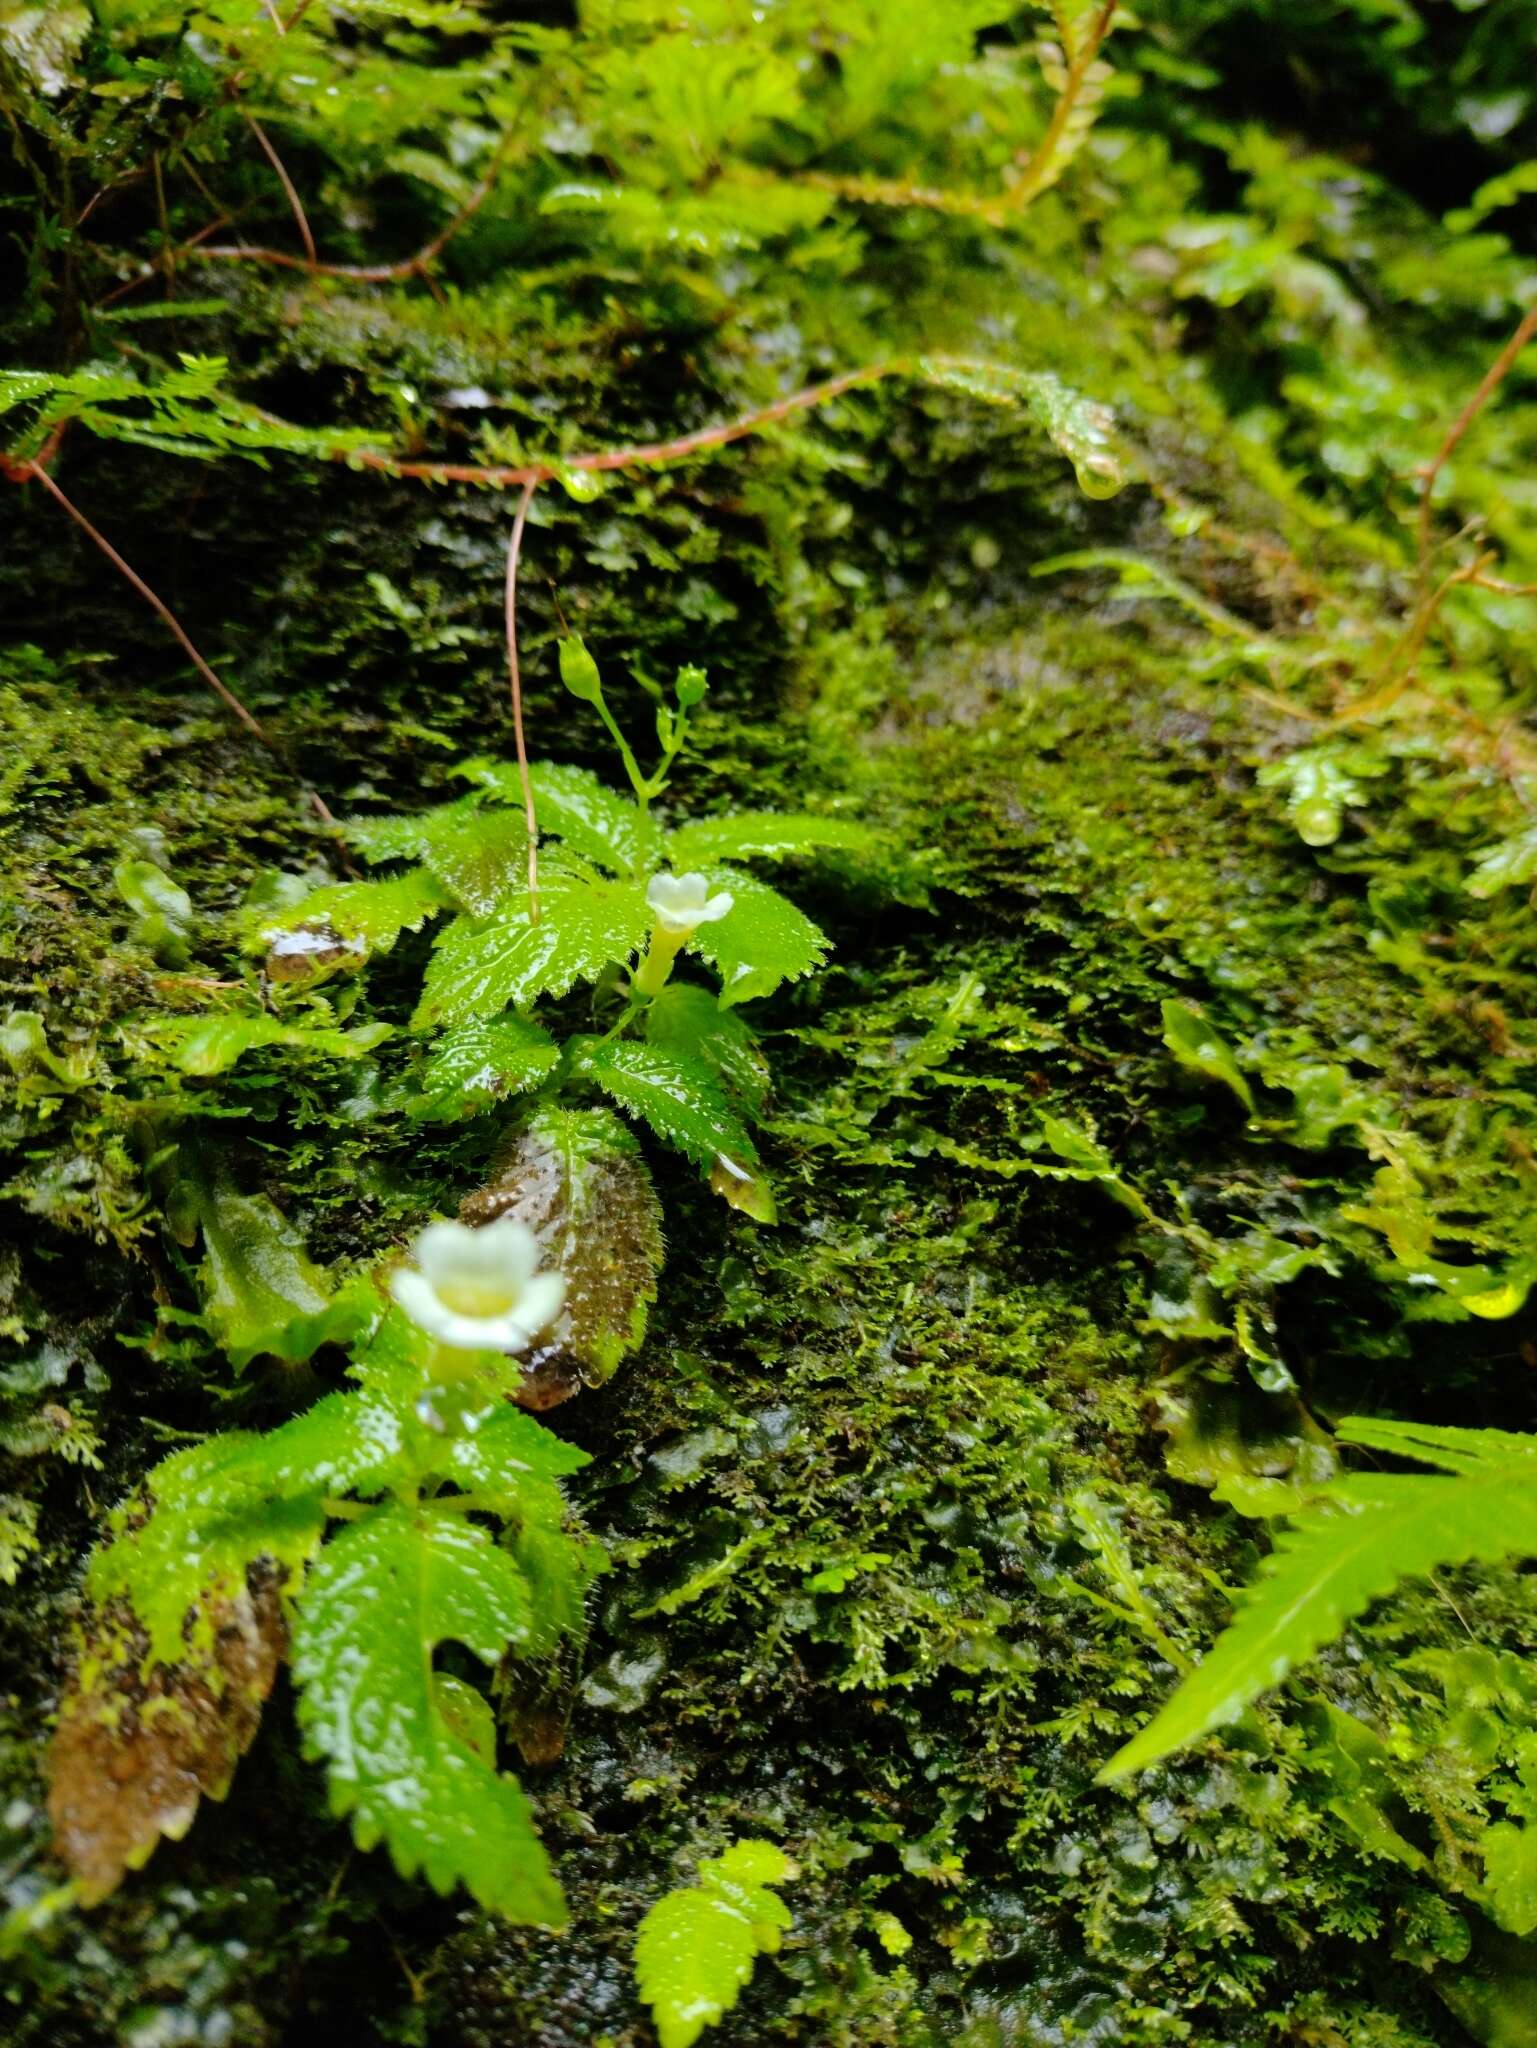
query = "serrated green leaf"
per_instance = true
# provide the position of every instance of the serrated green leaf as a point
(696, 1948)
(211, 1045)
(573, 805)
(688, 1021)
(476, 852)
(481, 859)
(768, 835)
(1196, 1045)
(1356, 1544)
(44, 43)
(477, 1064)
(215, 1509)
(481, 967)
(694, 1955)
(180, 1562)
(385, 1593)
(407, 836)
(751, 1863)
(763, 940)
(365, 917)
(677, 1096)
(575, 1178)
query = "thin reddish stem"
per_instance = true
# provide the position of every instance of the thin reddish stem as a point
(163, 611)
(366, 273)
(639, 455)
(1490, 382)
(33, 471)
(530, 816)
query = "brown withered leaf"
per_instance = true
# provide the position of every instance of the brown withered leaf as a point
(576, 1179)
(133, 1753)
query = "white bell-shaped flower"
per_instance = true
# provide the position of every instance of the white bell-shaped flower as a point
(479, 1290)
(683, 902)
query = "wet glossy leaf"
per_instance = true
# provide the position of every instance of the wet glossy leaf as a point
(1512, 864)
(343, 923)
(573, 805)
(385, 1593)
(1197, 1045)
(575, 1178)
(1509, 1851)
(475, 1065)
(689, 1021)
(763, 941)
(162, 909)
(207, 1513)
(262, 1294)
(210, 1045)
(771, 835)
(677, 1096)
(481, 967)
(696, 1948)
(43, 42)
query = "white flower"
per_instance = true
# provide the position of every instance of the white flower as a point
(683, 902)
(479, 1290)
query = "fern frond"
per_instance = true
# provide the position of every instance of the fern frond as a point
(1358, 1542)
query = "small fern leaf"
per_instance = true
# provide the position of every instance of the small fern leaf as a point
(1456, 1450)
(481, 967)
(573, 805)
(697, 1947)
(1328, 1567)
(763, 941)
(769, 835)
(384, 1594)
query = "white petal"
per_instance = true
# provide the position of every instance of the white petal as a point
(540, 1301)
(418, 1297)
(718, 907)
(508, 1249)
(440, 1248)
